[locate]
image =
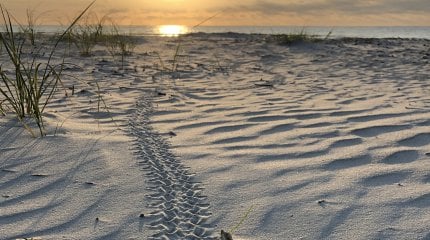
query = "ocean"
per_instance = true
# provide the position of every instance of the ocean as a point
(336, 32)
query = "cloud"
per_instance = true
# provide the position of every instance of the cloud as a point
(267, 7)
(239, 12)
(112, 11)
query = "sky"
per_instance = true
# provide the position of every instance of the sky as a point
(232, 12)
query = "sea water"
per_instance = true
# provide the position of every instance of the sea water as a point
(335, 32)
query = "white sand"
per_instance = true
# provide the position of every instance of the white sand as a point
(336, 149)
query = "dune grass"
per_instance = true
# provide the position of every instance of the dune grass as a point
(93, 30)
(31, 84)
(177, 54)
(87, 33)
(30, 77)
(299, 37)
(29, 29)
(119, 44)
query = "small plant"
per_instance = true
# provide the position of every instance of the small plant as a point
(30, 28)
(119, 44)
(31, 84)
(300, 37)
(328, 35)
(87, 34)
(293, 38)
(227, 235)
(83, 38)
(176, 59)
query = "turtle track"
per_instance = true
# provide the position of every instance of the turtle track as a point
(179, 210)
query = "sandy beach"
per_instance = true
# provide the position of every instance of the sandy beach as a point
(200, 133)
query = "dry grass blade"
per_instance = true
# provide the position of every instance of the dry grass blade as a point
(241, 220)
(2, 111)
(73, 24)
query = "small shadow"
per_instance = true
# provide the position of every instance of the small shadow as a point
(141, 224)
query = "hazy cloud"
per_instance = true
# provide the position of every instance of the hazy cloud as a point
(238, 12)
(117, 11)
(267, 7)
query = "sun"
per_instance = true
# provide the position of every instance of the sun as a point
(172, 30)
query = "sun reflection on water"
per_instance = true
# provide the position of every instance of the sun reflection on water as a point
(172, 30)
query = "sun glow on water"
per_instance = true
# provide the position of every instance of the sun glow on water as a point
(172, 30)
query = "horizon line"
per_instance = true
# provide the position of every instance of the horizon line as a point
(301, 26)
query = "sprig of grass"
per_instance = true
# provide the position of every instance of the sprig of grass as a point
(29, 28)
(300, 37)
(328, 35)
(84, 39)
(32, 84)
(175, 58)
(177, 54)
(244, 217)
(101, 100)
(293, 38)
(229, 235)
(119, 44)
(2, 111)
(87, 34)
(60, 124)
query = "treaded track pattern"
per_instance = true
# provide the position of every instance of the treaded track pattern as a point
(179, 210)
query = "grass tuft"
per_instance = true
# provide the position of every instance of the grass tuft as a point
(31, 84)
(29, 29)
(87, 34)
(297, 38)
(119, 44)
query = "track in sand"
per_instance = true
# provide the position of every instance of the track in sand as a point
(180, 210)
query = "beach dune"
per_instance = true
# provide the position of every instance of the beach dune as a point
(315, 140)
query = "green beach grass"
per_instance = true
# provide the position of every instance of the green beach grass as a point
(31, 84)
(298, 37)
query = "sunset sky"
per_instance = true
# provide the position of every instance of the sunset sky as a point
(235, 12)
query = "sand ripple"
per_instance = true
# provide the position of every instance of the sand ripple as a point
(335, 149)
